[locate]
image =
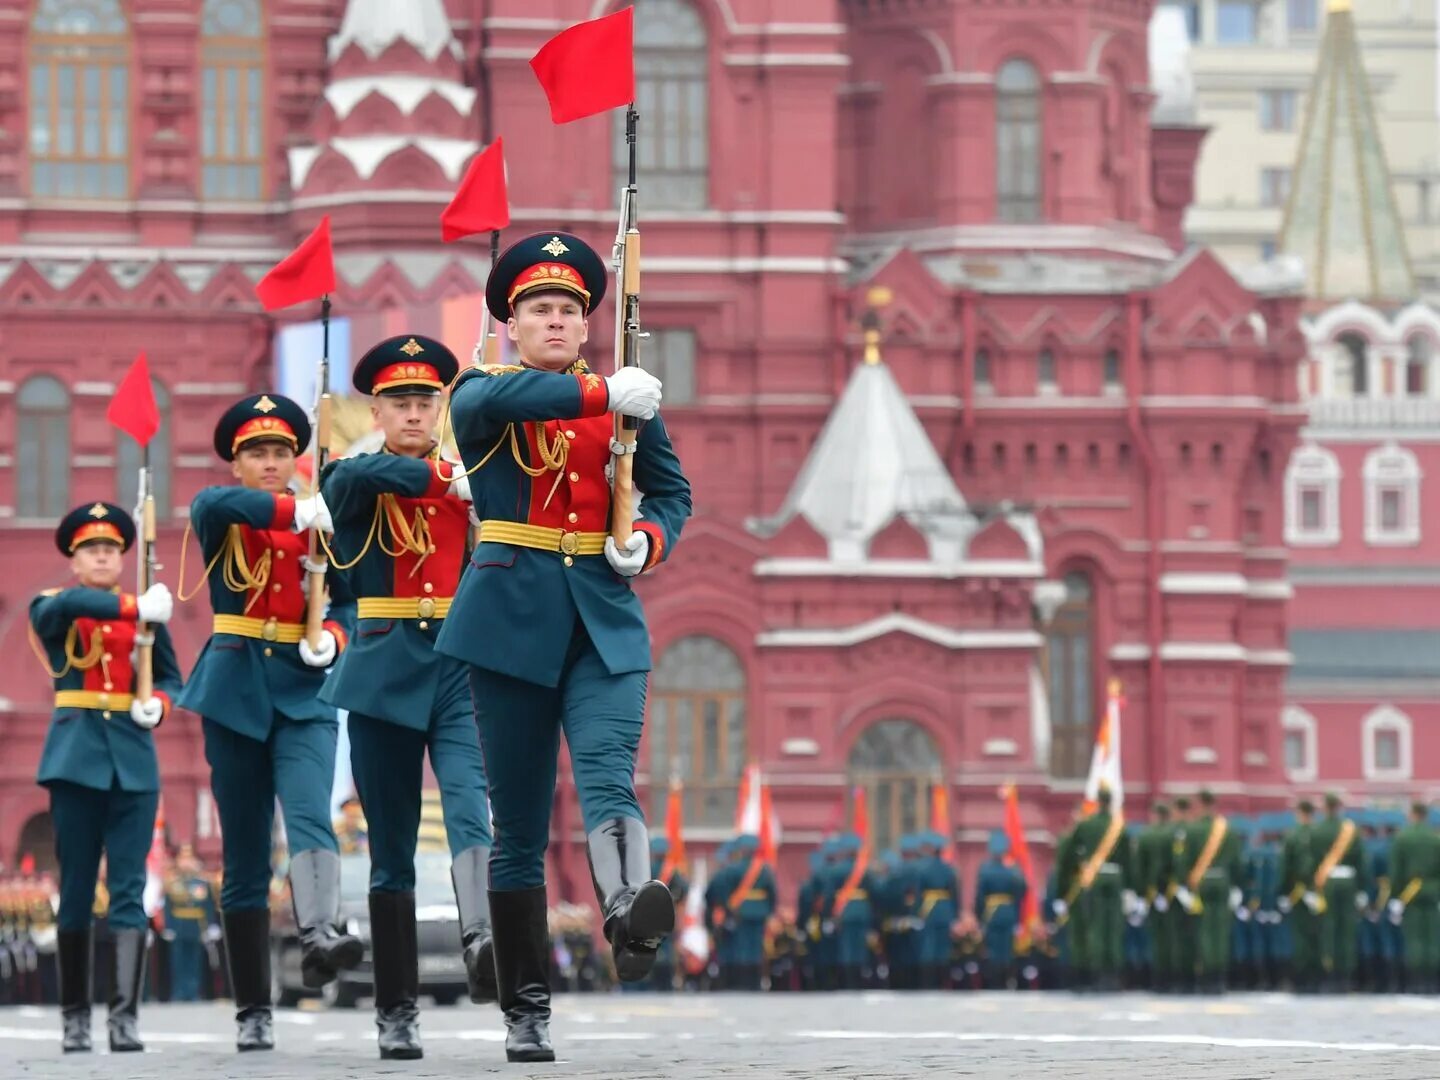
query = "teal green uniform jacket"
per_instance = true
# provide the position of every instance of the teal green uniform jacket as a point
(536, 594)
(99, 748)
(242, 682)
(391, 670)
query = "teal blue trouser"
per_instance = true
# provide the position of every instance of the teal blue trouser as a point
(520, 726)
(297, 763)
(388, 762)
(87, 822)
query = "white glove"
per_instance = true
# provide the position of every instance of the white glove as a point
(1284, 904)
(1235, 897)
(155, 604)
(1185, 898)
(1128, 901)
(1362, 901)
(322, 657)
(1396, 908)
(1061, 909)
(632, 560)
(311, 512)
(1243, 914)
(633, 392)
(460, 487)
(212, 933)
(1161, 904)
(147, 714)
(1312, 901)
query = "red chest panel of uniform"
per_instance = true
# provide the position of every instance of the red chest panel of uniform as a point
(113, 671)
(283, 596)
(448, 521)
(581, 498)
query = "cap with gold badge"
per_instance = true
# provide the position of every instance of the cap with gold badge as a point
(408, 364)
(545, 261)
(94, 523)
(261, 418)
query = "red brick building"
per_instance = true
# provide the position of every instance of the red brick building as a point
(1069, 464)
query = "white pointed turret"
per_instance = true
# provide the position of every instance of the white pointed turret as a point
(375, 25)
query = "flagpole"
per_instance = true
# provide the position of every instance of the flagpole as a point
(488, 340)
(145, 576)
(627, 337)
(315, 563)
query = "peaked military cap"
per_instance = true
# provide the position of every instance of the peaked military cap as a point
(94, 523)
(261, 418)
(545, 261)
(999, 843)
(408, 364)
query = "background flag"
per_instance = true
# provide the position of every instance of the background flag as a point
(589, 68)
(1105, 761)
(133, 409)
(1020, 852)
(481, 204)
(307, 273)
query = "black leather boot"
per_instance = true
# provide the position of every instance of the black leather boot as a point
(639, 911)
(247, 951)
(129, 986)
(315, 890)
(522, 969)
(470, 873)
(75, 956)
(394, 958)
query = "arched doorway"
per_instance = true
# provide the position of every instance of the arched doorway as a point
(1069, 678)
(895, 762)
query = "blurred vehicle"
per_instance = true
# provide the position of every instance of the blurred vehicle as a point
(442, 966)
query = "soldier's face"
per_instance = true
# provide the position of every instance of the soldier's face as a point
(549, 329)
(408, 421)
(97, 565)
(266, 466)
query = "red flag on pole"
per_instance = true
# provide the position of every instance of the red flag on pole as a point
(589, 68)
(768, 846)
(133, 409)
(674, 831)
(1020, 851)
(860, 816)
(940, 819)
(481, 204)
(307, 273)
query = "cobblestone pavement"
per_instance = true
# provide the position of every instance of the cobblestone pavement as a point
(794, 1037)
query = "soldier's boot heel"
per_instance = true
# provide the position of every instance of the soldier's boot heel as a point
(639, 911)
(522, 969)
(395, 957)
(470, 873)
(254, 1029)
(74, 968)
(247, 953)
(124, 1023)
(315, 892)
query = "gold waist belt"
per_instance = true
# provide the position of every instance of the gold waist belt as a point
(262, 629)
(403, 607)
(93, 699)
(541, 538)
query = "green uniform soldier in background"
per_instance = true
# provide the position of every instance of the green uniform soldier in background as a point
(1210, 872)
(1094, 879)
(1184, 942)
(1415, 874)
(191, 919)
(1152, 876)
(1341, 878)
(1299, 901)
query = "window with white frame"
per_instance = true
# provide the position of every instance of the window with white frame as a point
(1392, 496)
(1278, 109)
(1300, 745)
(1418, 351)
(1350, 374)
(1312, 497)
(1386, 745)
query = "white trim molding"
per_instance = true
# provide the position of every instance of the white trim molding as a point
(1312, 468)
(1000, 748)
(1201, 755)
(1188, 584)
(1387, 718)
(1296, 719)
(800, 748)
(899, 622)
(1392, 469)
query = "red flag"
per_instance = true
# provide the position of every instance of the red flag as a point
(768, 847)
(133, 409)
(589, 68)
(940, 819)
(307, 273)
(860, 816)
(674, 831)
(1020, 850)
(481, 204)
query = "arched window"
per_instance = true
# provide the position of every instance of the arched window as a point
(1312, 497)
(1392, 496)
(672, 65)
(983, 374)
(1386, 751)
(1300, 746)
(79, 100)
(1111, 370)
(1419, 350)
(696, 728)
(1017, 141)
(1045, 371)
(42, 449)
(1069, 676)
(1352, 367)
(128, 458)
(895, 761)
(232, 100)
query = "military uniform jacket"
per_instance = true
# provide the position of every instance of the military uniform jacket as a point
(416, 535)
(1415, 864)
(97, 747)
(241, 682)
(516, 608)
(189, 907)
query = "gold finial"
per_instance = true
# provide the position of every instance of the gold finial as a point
(877, 296)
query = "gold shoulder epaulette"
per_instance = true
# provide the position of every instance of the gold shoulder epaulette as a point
(51, 592)
(501, 369)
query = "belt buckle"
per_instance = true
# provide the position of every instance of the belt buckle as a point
(271, 630)
(570, 543)
(426, 608)
(103, 700)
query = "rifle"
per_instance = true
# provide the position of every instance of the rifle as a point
(145, 577)
(626, 258)
(315, 563)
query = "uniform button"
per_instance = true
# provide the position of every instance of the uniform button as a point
(431, 511)
(276, 587)
(569, 561)
(105, 629)
(269, 651)
(429, 587)
(107, 658)
(574, 517)
(574, 477)
(569, 434)
(432, 549)
(424, 625)
(280, 553)
(106, 714)
(109, 686)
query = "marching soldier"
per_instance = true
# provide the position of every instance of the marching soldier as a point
(741, 898)
(1340, 878)
(1210, 872)
(190, 917)
(1094, 879)
(575, 652)
(1300, 901)
(1185, 944)
(939, 907)
(849, 887)
(1153, 875)
(897, 902)
(256, 687)
(402, 523)
(99, 759)
(999, 893)
(1415, 873)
